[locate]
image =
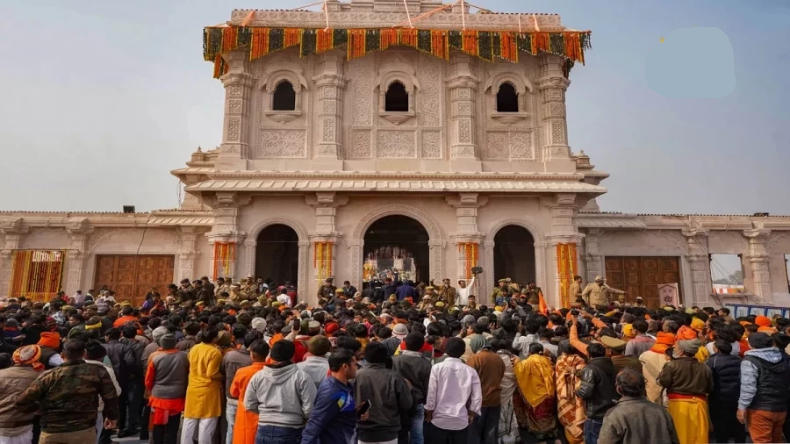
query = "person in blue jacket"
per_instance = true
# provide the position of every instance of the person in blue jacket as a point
(334, 416)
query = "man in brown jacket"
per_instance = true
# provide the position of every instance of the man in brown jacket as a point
(688, 383)
(13, 381)
(491, 370)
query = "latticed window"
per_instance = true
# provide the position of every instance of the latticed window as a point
(507, 99)
(396, 99)
(37, 274)
(284, 97)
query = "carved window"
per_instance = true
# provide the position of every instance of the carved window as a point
(507, 99)
(396, 99)
(284, 97)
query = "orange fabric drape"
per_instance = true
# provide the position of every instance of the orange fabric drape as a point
(322, 260)
(567, 268)
(224, 257)
(37, 274)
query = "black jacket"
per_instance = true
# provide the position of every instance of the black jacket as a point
(726, 371)
(123, 361)
(773, 384)
(415, 369)
(597, 387)
(389, 398)
(137, 371)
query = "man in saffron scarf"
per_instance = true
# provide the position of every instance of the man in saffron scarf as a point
(535, 377)
(246, 426)
(688, 383)
(653, 361)
(686, 333)
(166, 381)
(570, 408)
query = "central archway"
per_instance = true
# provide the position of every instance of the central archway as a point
(514, 254)
(277, 254)
(397, 247)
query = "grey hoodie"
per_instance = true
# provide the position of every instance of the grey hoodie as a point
(282, 396)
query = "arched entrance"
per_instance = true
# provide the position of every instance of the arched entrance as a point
(514, 254)
(396, 246)
(277, 254)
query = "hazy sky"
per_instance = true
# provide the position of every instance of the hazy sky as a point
(101, 99)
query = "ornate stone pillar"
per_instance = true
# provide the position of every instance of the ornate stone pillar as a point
(593, 259)
(238, 101)
(326, 205)
(226, 207)
(250, 250)
(699, 265)
(14, 231)
(79, 232)
(467, 238)
(563, 231)
(330, 85)
(187, 253)
(463, 87)
(758, 259)
(552, 85)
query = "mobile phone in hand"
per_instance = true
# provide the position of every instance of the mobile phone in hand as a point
(363, 408)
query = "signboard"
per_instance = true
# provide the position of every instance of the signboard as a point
(668, 294)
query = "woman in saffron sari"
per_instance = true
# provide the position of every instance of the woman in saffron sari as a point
(508, 426)
(570, 408)
(536, 407)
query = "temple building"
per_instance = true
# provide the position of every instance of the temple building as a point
(382, 138)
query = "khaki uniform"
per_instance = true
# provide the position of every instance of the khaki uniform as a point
(575, 291)
(497, 293)
(446, 294)
(598, 294)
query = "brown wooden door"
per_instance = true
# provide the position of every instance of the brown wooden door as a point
(641, 275)
(131, 276)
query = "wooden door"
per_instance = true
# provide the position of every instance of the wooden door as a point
(641, 275)
(131, 276)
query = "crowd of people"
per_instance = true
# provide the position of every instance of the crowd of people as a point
(248, 363)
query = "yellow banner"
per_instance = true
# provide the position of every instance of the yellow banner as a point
(567, 269)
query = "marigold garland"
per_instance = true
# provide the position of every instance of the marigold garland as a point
(37, 274)
(486, 45)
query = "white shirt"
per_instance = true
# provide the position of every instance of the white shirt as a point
(284, 299)
(463, 293)
(736, 348)
(451, 385)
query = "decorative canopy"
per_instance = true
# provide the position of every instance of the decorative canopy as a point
(487, 45)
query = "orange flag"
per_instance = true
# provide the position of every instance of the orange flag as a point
(542, 307)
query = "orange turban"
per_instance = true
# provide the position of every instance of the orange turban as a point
(663, 342)
(29, 355)
(762, 321)
(49, 339)
(686, 333)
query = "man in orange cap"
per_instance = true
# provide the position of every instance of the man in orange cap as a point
(50, 349)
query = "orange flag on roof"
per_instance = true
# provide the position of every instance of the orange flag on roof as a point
(542, 307)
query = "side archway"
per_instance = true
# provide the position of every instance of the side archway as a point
(303, 244)
(489, 247)
(436, 242)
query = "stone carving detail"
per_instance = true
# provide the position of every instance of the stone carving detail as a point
(234, 106)
(554, 94)
(464, 131)
(557, 110)
(497, 145)
(431, 144)
(464, 108)
(329, 92)
(464, 94)
(557, 133)
(360, 145)
(234, 129)
(363, 91)
(357, 17)
(330, 106)
(430, 94)
(395, 144)
(281, 143)
(509, 145)
(234, 90)
(329, 130)
(521, 146)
